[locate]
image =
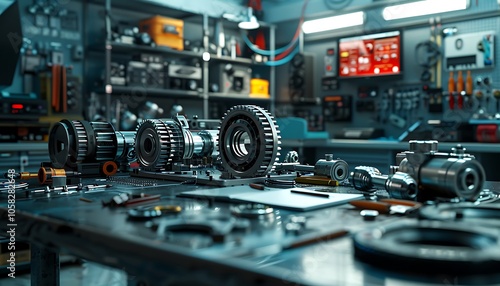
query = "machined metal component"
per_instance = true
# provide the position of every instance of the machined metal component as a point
(157, 143)
(162, 142)
(46, 174)
(249, 141)
(453, 177)
(337, 170)
(291, 157)
(454, 174)
(400, 185)
(78, 141)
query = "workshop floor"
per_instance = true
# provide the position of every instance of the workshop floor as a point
(77, 275)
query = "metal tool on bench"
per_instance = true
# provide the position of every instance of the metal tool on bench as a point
(337, 170)
(398, 185)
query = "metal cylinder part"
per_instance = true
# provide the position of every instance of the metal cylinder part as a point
(125, 143)
(337, 170)
(362, 178)
(45, 174)
(399, 186)
(453, 177)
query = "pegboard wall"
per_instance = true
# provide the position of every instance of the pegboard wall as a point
(52, 36)
(396, 104)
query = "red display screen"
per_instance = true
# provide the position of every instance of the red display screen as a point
(370, 55)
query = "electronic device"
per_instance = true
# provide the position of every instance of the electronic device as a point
(183, 76)
(117, 74)
(22, 106)
(470, 51)
(301, 79)
(370, 55)
(137, 73)
(25, 132)
(337, 108)
(229, 78)
(11, 40)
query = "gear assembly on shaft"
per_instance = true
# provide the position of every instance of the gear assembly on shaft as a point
(162, 142)
(79, 141)
(249, 141)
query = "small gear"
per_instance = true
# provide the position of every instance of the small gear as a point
(249, 141)
(106, 142)
(158, 142)
(82, 142)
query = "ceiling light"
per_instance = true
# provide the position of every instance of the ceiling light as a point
(333, 23)
(250, 22)
(422, 8)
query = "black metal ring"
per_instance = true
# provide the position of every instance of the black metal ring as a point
(430, 247)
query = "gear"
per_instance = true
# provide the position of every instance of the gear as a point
(68, 143)
(158, 142)
(249, 141)
(106, 142)
(82, 142)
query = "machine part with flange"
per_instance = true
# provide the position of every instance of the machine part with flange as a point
(399, 185)
(249, 141)
(427, 247)
(160, 143)
(291, 157)
(79, 141)
(337, 170)
(439, 174)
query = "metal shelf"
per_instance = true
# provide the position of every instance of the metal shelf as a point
(120, 47)
(235, 96)
(231, 60)
(171, 93)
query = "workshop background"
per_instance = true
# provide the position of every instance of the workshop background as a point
(126, 61)
(73, 65)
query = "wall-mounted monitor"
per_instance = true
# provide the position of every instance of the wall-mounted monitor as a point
(370, 55)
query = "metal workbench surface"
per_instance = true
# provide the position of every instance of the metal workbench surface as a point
(257, 251)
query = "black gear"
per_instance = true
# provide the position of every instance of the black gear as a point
(158, 142)
(106, 142)
(68, 143)
(249, 141)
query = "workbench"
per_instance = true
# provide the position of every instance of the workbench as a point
(258, 251)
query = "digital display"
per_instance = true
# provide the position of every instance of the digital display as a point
(370, 55)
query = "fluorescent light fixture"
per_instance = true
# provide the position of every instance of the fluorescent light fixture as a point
(250, 22)
(422, 8)
(333, 23)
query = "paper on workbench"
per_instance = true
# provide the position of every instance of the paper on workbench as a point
(280, 198)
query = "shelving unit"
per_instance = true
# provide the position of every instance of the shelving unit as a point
(112, 48)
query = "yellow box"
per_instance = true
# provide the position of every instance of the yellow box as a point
(168, 32)
(259, 87)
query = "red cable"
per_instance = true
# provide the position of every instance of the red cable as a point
(297, 33)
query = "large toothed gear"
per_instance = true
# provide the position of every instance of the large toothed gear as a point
(68, 143)
(249, 141)
(158, 142)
